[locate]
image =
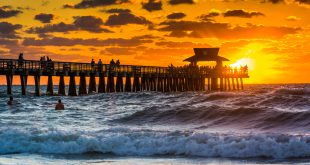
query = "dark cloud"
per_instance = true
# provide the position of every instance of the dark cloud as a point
(60, 41)
(223, 30)
(211, 14)
(8, 30)
(7, 12)
(126, 18)
(113, 11)
(171, 44)
(6, 42)
(176, 15)
(177, 2)
(90, 23)
(94, 3)
(242, 13)
(152, 5)
(303, 1)
(81, 23)
(273, 1)
(44, 18)
(119, 51)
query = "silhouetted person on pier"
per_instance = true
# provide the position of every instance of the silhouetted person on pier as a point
(118, 63)
(112, 64)
(59, 106)
(20, 60)
(92, 64)
(100, 65)
(10, 102)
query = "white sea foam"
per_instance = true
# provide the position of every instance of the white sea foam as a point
(147, 143)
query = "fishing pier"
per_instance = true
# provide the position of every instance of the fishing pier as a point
(127, 78)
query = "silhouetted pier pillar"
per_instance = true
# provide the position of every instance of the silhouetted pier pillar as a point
(62, 87)
(228, 84)
(128, 84)
(111, 84)
(237, 82)
(119, 84)
(136, 84)
(101, 86)
(37, 85)
(82, 86)
(50, 87)
(9, 82)
(233, 83)
(23, 82)
(221, 84)
(241, 82)
(72, 86)
(92, 83)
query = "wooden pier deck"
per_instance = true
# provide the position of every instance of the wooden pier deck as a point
(123, 78)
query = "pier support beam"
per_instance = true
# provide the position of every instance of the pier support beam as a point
(92, 83)
(233, 83)
(23, 82)
(237, 81)
(221, 84)
(119, 84)
(9, 82)
(111, 84)
(50, 87)
(72, 86)
(128, 84)
(37, 85)
(241, 82)
(101, 87)
(136, 84)
(228, 84)
(82, 86)
(62, 87)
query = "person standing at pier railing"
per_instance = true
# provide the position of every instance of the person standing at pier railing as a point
(20, 60)
(92, 64)
(100, 65)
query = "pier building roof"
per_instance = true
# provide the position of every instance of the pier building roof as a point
(206, 54)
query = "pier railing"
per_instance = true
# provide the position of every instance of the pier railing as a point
(32, 65)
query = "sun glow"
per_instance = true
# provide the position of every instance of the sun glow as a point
(243, 62)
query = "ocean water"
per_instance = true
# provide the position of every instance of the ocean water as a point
(264, 124)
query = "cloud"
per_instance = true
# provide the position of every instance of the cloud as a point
(115, 10)
(126, 18)
(171, 44)
(242, 13)
(44, 18)
(81, 23)
(176, 15)
(6, 42)
(307, 2)
(197, 29)
(119, 51)
(94, 3)
(152, 5)
(177, 2)
(8, 30)
(7, 12)
(211, 14)
(60, 41)
(292, 18)
(90, 24)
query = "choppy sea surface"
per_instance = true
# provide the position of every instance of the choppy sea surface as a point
(264, 124)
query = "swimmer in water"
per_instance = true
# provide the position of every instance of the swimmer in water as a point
(59, 106)
(10, 102)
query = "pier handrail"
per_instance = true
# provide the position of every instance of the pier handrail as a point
(60, 66)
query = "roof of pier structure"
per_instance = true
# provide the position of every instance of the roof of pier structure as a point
(206, 54)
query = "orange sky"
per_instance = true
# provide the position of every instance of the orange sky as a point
(271, 36)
